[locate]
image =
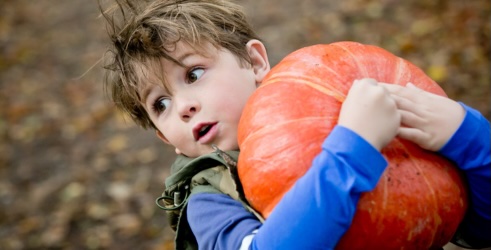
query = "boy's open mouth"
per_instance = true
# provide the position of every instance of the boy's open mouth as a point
(202, 129)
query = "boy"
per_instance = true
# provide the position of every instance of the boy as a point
(186, 69)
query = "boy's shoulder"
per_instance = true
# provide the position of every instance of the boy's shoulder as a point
(185, 168)
(212, 173)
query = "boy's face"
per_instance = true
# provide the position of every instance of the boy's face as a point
(207, 98)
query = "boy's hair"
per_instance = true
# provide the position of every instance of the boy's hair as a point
(143, 32)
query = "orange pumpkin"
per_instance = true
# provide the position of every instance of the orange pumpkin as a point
(419, 200)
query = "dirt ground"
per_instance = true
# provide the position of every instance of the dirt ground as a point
(75, 174)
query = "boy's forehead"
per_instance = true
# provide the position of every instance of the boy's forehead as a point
(183, 50)
(158, 68)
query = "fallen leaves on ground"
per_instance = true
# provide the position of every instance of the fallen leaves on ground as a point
(77, 174)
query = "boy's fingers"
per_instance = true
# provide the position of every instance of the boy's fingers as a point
(410, 91)
(391, 86)
(411, 85)
(370, 81)
(410, 119)
(405, 104)
(412, 134)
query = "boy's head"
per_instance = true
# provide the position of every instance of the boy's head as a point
(160, 51)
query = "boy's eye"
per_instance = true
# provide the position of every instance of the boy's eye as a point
(195, 74)
(161, 105)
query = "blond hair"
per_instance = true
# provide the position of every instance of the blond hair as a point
(145, 31)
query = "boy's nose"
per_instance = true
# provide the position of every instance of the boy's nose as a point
(187, 109)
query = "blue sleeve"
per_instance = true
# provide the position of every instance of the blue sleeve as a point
(219, 222)
(470, 149)
(317, 210)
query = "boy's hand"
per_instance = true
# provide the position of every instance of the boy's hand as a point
(428, 120)
(370, 111)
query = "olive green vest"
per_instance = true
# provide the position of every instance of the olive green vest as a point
(212, 173)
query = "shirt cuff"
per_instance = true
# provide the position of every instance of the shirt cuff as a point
(372, 163)
(466, 133)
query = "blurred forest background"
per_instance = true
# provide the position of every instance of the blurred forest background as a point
(76, 174)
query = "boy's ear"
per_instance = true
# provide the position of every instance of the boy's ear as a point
(259, 59)
(162, 137)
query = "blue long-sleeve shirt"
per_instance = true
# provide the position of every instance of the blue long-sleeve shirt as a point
(470, 149)
(319, 208)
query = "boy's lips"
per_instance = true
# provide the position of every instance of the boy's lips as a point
(205, 132)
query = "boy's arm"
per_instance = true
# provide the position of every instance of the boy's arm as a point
(461, 134)
(470, 149)
(314, 214)
(319, 208)
(218, 221)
